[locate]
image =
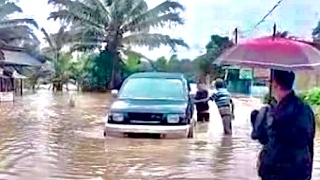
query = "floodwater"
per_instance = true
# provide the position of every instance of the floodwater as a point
(42, 138)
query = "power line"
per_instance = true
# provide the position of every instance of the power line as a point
(265, 17)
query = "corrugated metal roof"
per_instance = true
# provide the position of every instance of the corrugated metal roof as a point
(20, 58)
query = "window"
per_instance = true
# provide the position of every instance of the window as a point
(153, 88)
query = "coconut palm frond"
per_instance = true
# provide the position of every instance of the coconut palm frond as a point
(8, 8)
(156, 22)
(79, 9)
(71, 17)
(48, 38)
(153, 40)
(164, 8)
(15, 22)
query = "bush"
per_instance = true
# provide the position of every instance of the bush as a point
(312, 97)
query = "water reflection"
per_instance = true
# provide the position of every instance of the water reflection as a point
(42, 137)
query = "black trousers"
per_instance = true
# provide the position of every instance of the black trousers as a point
(205, 116)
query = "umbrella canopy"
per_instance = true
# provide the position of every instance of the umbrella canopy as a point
(274, 53)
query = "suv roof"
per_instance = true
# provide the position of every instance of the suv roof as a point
(158, 75)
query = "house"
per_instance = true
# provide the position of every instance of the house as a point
(239, 80)
(11, 82)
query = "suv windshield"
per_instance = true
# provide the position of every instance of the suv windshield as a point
(153, 88)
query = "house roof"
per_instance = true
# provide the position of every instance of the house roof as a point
(20, 56)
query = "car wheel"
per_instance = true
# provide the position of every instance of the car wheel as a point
(191, 131)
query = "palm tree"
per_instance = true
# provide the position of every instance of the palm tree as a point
(15, 32)
(120, 24)
(59, 59)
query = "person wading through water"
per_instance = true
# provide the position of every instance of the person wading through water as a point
(287, 153)
(225, 105)
(202, 106)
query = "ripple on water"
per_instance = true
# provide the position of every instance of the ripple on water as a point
(46, 139)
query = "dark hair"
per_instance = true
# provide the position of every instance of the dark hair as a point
(219, 83)
(284, 78)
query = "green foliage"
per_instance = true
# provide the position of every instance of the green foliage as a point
(98, 72)
(205, 63)
(120, 24)
(312, 97)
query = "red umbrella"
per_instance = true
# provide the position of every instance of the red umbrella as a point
(274, 53)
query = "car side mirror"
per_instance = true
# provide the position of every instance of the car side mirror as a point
(114, 93)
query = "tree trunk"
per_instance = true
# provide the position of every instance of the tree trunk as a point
(78, 86)
(59, 86)
(115, 71)
(33, 88)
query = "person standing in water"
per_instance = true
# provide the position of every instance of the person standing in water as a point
(223, 100)
(202, 106)
(287, 153)
(225, 105)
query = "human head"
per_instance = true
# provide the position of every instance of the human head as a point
(201, 86)
(219, 83)
(282, 83)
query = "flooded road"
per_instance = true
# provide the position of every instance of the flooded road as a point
(42, 138)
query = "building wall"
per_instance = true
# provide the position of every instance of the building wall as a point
(306, 80)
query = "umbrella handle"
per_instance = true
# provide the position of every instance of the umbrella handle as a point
(270, 85)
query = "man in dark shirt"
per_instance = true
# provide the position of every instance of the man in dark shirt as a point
(202, 106)
(288, 150)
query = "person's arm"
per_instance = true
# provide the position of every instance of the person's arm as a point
(232, 108)
(202, 100)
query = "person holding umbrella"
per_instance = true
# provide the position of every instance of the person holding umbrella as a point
(288, 134)
(288, 140)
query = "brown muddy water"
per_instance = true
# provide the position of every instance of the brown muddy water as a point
(42, 138)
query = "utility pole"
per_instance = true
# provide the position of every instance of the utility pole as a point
(274, 30)
(236, 35)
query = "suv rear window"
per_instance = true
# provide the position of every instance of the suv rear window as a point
(153, 88)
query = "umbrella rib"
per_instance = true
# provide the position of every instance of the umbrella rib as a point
(273, 64)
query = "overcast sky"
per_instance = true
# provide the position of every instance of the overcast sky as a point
(206, 17)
